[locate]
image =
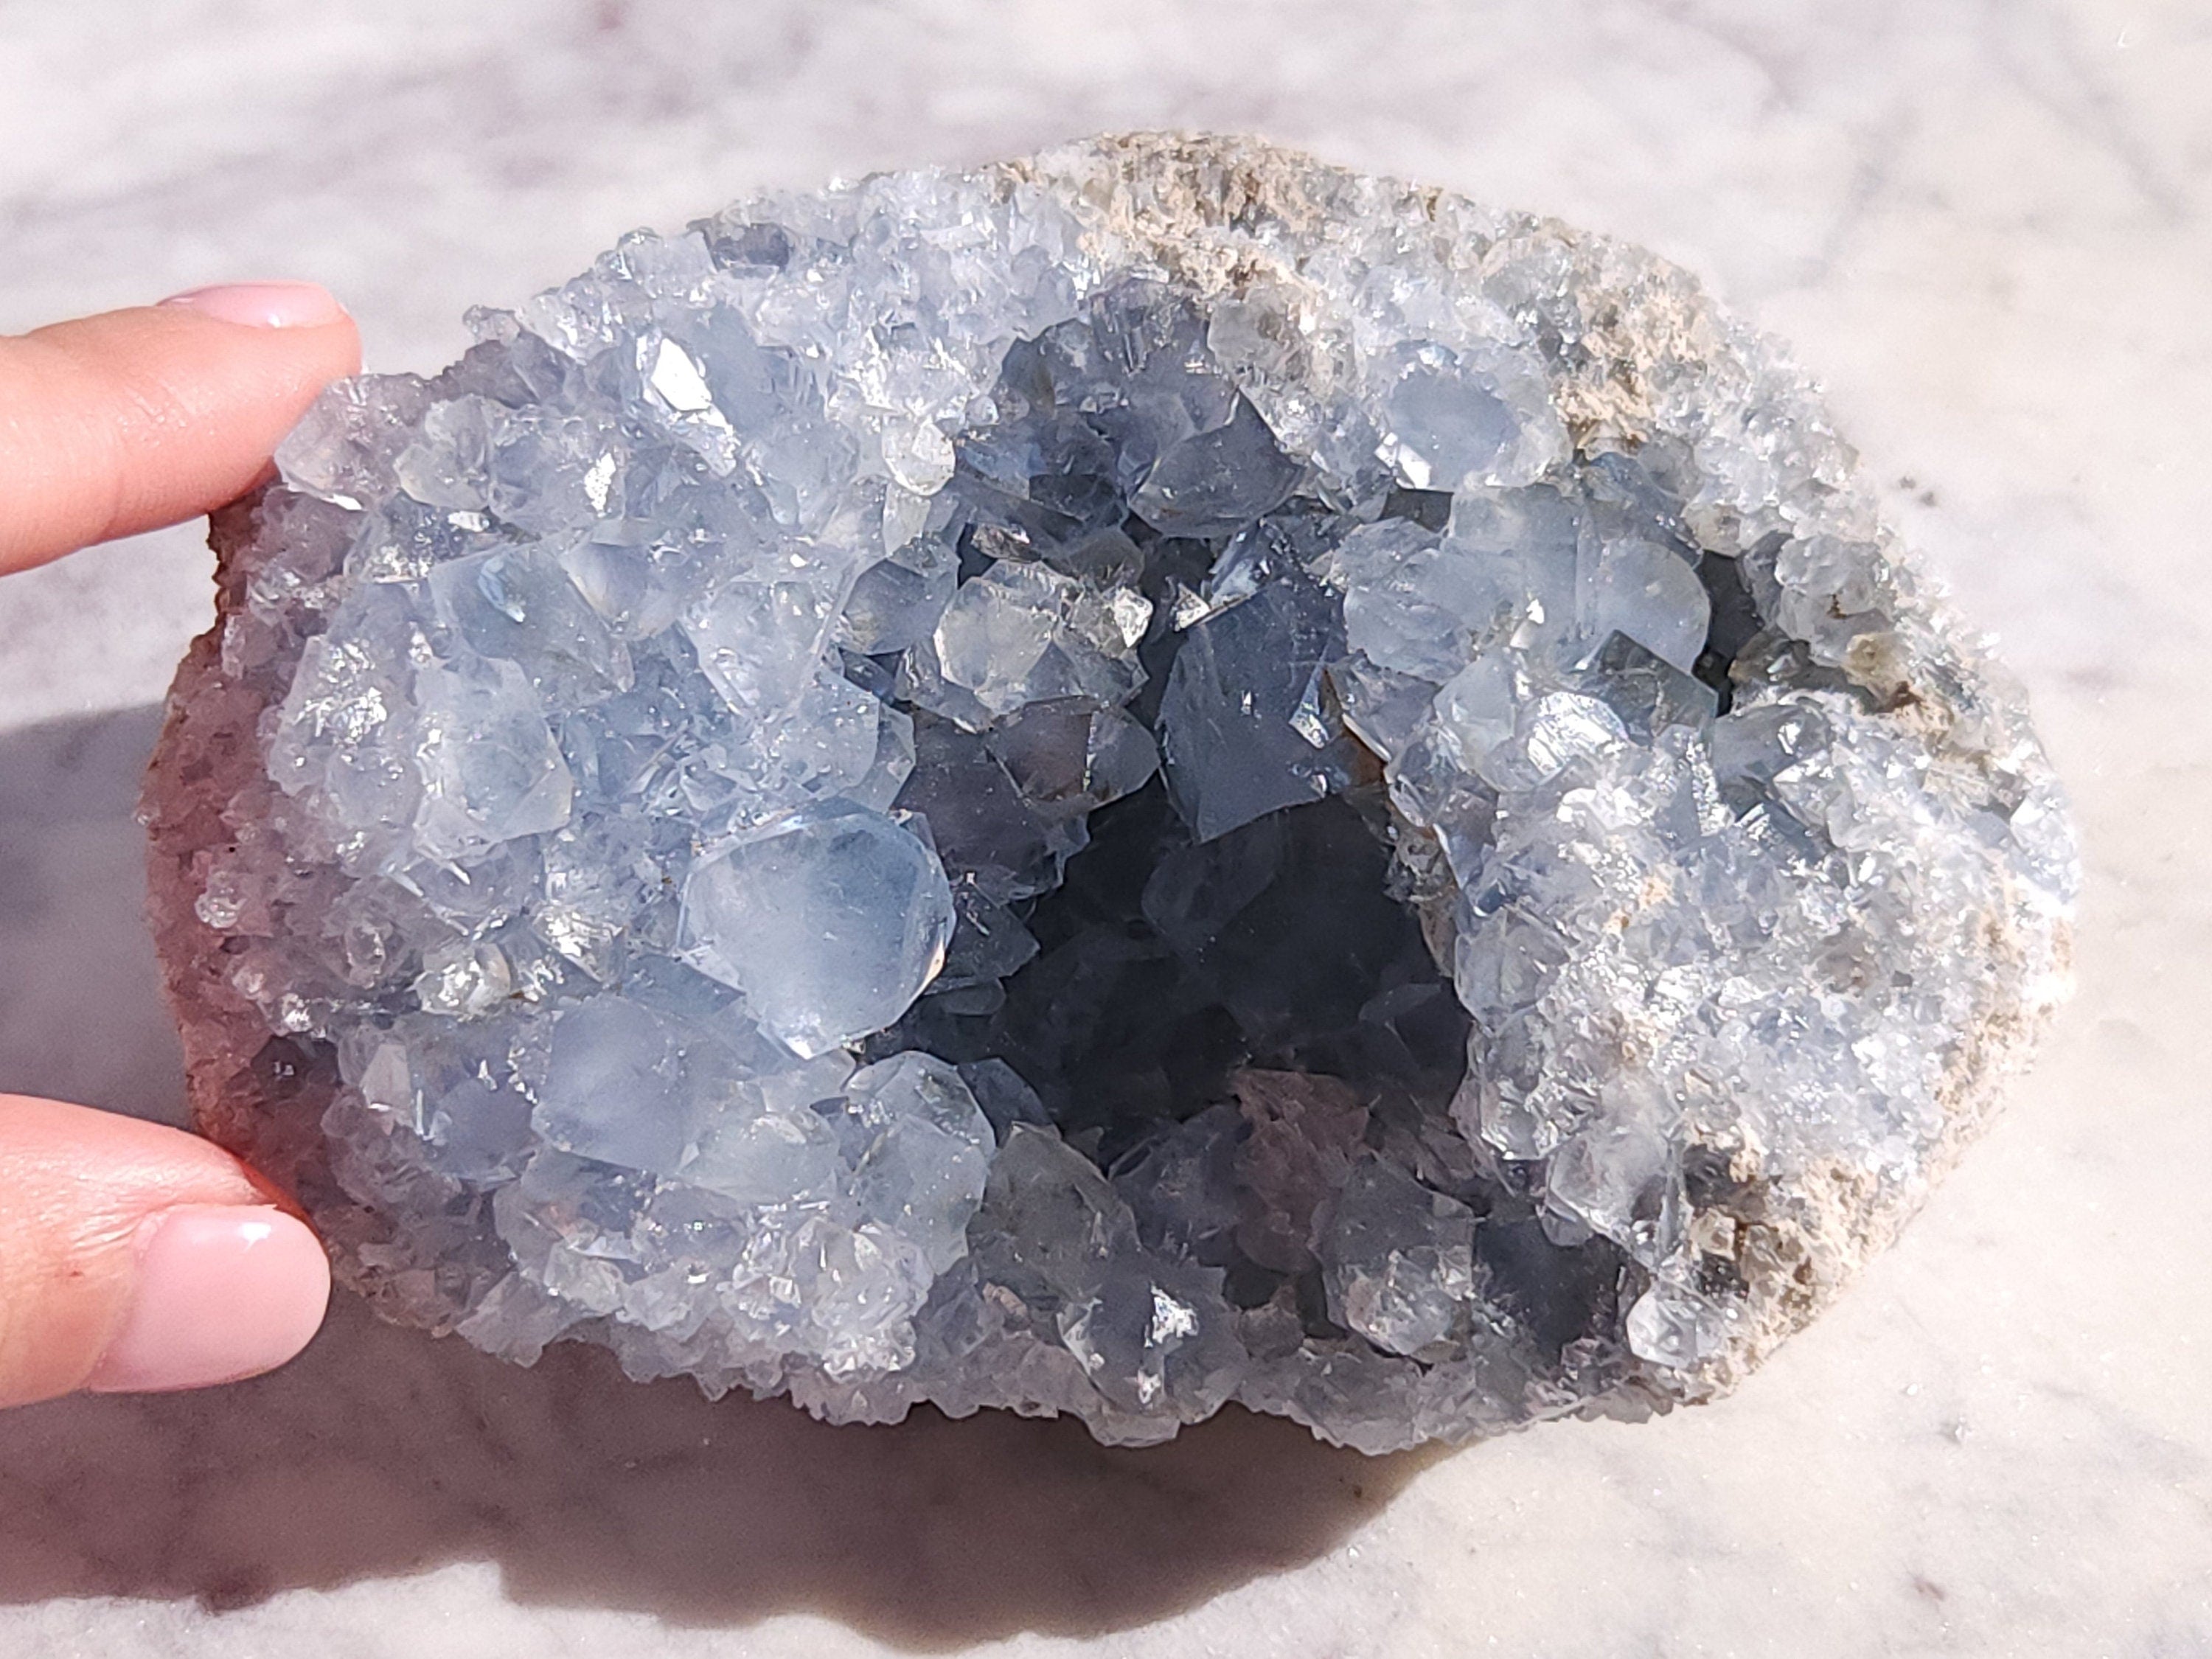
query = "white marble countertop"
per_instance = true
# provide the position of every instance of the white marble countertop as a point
(1984, 224)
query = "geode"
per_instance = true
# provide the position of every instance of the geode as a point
(1157, 775)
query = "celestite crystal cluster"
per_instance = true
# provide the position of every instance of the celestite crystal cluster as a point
(1159, 776)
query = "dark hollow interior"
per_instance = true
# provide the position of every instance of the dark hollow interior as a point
(1165, 964)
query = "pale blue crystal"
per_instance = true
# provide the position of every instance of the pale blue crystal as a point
(522, 606)
(617, 1089)
(927, 1151)
(831, 922)
(490, 769)
(1399, 1259)
(1651, 594)
(1020, 634)
(1232, 741)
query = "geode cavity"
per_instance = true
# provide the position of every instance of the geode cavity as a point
(1158, 775)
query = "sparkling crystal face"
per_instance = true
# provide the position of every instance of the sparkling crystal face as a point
(878, 800)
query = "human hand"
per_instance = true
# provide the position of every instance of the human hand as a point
(134, 1256)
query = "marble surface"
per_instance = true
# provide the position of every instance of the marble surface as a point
(1984, 225)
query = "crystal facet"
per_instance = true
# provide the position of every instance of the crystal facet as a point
(1158, 775)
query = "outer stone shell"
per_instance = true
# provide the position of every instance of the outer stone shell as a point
(1156, 776)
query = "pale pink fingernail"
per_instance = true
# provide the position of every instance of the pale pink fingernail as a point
(223, 1292)
(263, 304)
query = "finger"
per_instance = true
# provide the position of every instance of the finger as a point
(124, 421)
(135, 1257)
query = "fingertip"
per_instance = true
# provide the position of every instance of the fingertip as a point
(138, 1255)
(130, 420)
(264, 305)
(220, 1293)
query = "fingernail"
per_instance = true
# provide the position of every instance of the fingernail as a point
(223, 1291)
(263, 304)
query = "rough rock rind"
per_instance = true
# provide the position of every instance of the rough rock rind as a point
(1749, 1218)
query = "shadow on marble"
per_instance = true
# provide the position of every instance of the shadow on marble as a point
(382, 1453)
(81, 1011)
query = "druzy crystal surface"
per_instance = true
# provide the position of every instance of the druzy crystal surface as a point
(1158, 775)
